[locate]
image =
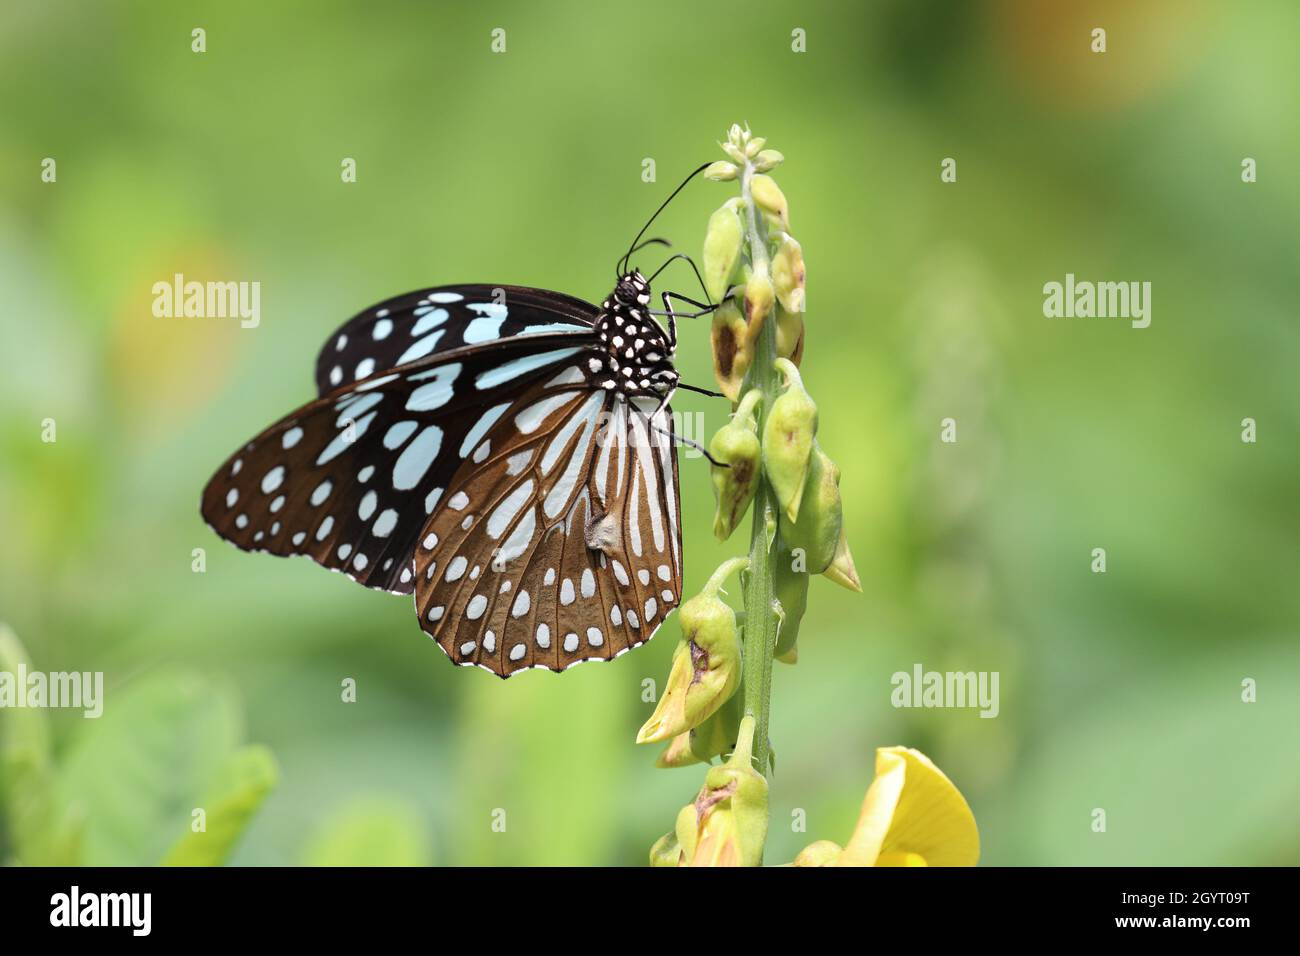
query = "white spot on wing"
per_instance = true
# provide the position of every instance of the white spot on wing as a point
(481, 427)
(505, 512)
(412, 463)
(520, 366)
(421, 347)
(437, 390)
(272, 479)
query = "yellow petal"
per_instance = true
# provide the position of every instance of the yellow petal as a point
(820, 853)
(912, 816)
(678, 753)
(669, 718)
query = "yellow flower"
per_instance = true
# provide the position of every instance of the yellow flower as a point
(912, 816)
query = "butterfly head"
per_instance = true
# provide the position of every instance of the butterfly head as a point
(632, 291)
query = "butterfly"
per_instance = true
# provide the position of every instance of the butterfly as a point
(505, 454)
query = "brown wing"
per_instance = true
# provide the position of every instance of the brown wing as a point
(564, 544)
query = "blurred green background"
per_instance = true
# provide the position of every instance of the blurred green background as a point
(1119, 691)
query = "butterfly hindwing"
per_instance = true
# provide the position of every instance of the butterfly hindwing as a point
(414, 326)
(564, 546)
(351, 478)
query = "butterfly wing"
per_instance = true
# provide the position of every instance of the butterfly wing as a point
(412, 327)
(351, 478)
(565, 544)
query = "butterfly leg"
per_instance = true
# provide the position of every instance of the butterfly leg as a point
(674, 315)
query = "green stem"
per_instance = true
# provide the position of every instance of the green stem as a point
(759, 584)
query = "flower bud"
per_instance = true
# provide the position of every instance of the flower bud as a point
(789, 275)
(767, 160)
(722, 171)
(717, 735)
(821, 853)
(791, 587)
(727, 823)
(678, 752)
(735, 446)
(789, 335)
(736, 152)
(787, 440)
(666, 852)
(842, 571)
(768, 196)
(759, 297)
(816, 532)
(754, 145)
(722, 244)
(733, 350)
(706, 664)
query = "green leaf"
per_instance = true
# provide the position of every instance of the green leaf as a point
(250, 775)
(162, 746)
(32, 829)
(371, 831)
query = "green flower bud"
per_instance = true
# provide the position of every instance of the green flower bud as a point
(842, 571)
(816, 532)
(788, 274)
(759, 298)
(666, 852)
(722, 171)
(787, 440)
(706, 664)
(768, 160)
(717, 735)
(768, 196)
(789, 336)
(733, 350)
(791, 585)
(722, 245)
(727, 823)
(754, 145)
(735, 478)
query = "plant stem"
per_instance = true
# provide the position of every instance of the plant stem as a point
(759, 584)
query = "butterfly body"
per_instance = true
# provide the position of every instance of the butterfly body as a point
(639, 356)
(506, 454)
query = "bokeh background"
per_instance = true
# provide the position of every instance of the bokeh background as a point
(1120, 691)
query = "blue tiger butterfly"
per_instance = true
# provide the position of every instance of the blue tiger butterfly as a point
(506, 454)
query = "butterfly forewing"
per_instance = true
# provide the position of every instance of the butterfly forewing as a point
(350, 480)
(564, 544)
(412, 327)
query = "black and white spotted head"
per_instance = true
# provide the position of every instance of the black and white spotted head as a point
(637, 356)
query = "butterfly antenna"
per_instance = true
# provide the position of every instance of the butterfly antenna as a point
(622, 265)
